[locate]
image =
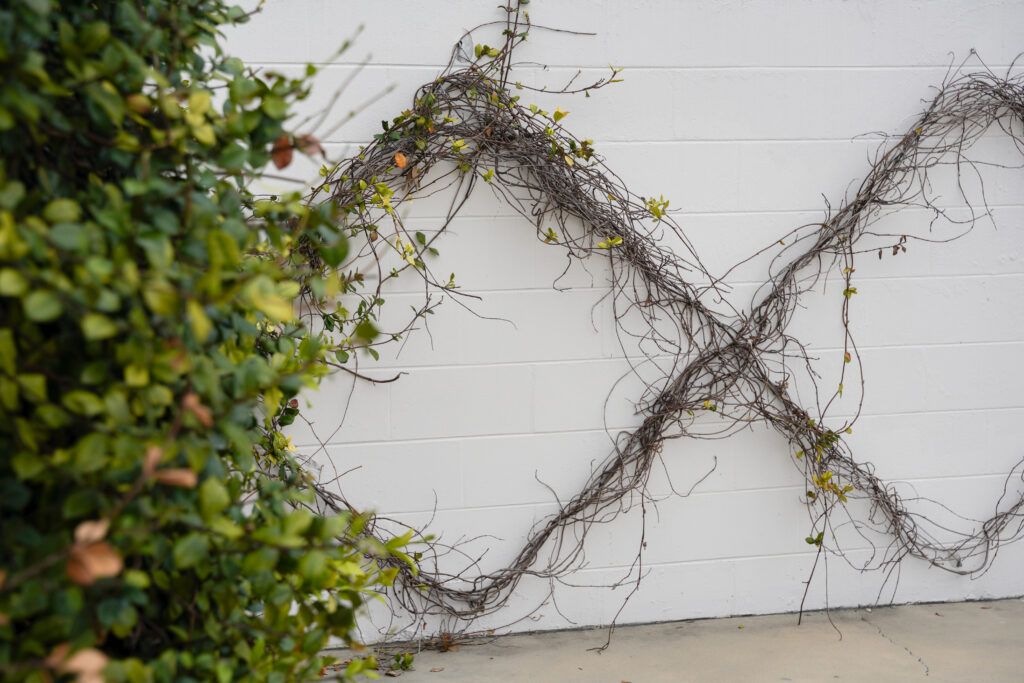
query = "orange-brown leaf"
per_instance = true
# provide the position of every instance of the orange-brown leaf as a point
(309, 145)
(78, 572)
(56, 658)
(154, 454)
(89, 563)
(92, 531)
(180, 476)
(400, 160)
(87, 665)
(192, 404)
(282, 152)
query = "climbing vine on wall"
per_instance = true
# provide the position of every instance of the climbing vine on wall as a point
(469, 127)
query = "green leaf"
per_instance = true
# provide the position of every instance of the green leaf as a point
(12, 283)
(42, 306)
(38, 6)
(8, 352)
(69, 237)
(213, 498)
(334, 253)
(33, 387)
(274, 107)
(366, 331)
(199, 321)
(92, 452)
(13, 191)
(62, 211)
(190, 550)
(27, 465)
(136, 375)
(225, 527)
(97, 326)
(313, 565)
(276, 308)
(82, 402)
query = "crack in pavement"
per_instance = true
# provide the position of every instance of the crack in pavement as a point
(927, 671)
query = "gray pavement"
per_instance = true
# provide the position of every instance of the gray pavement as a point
(962, 642)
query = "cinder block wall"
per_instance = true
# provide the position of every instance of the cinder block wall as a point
(744, 115)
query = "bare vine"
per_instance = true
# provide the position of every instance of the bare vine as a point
(468, 127)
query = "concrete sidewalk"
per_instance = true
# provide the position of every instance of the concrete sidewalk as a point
(961, 642)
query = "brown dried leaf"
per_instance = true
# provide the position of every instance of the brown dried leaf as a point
(87, 665)
(192, 404)
(309, 144)
(3, 577)
(78, 572)
(56, 658)
(89, 563)
(282, 152)
(92, 532)
(154, 454)
(177, 476)
(436, 669)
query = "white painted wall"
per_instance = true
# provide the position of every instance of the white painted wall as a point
(743, 113)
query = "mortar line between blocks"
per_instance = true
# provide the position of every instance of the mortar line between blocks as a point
(814, 351)
(615, 430)
(797, 489)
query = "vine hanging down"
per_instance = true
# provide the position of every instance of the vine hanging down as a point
(468, 127)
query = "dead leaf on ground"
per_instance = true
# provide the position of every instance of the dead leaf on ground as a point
(436, 669)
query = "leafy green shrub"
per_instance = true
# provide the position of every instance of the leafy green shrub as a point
(152, 519)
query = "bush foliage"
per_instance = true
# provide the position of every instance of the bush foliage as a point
(152, 524)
